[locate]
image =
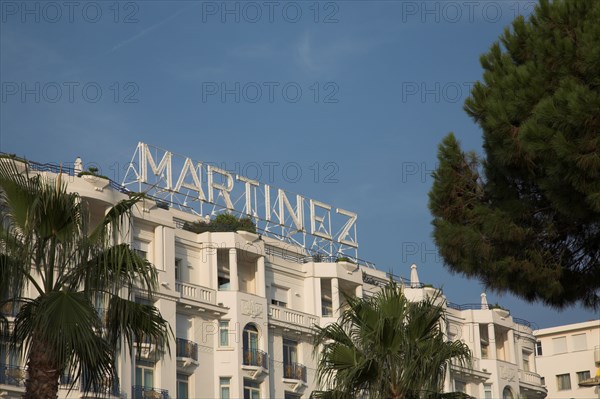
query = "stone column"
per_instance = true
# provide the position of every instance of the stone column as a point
(158, 258)
(492, 339)
(233, 270)
(260, 277)
(513, 357)
(335, 296)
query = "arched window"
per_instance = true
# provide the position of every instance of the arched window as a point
(250, 345)
(507, 393)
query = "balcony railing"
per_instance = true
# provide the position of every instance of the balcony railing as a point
(530, 377)
(196, 292)
(292, 316)
(294, 371)
(141, 392)
(187, 348)
(256, 357)
(12, 375)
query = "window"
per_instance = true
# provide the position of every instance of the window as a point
(289, 395)
(579, 342)
(224, 333)
(279, 296)
(290, 358)
(538, 348)
(252, 356)
(563, 382)
(507, 393)
(543, 381)
(182, 386)
(223, 269)
(326, 308)
(484, 340)
(526, 361)
(144, 376)
(583, 375)
(141, 254)
(225, 387)
(560, 345)
(290, 351)
(141, 249)
(178, 263)
(251, 389)
(460, 386)
(487, 390)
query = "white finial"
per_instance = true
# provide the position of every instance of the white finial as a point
(78, 166)
(484, 303)
(414, 277)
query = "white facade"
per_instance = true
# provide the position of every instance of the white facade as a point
(242, 307)
(567, 355)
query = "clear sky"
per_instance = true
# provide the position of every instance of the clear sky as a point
(358, 93)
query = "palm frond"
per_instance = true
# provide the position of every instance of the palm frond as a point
(137, 324)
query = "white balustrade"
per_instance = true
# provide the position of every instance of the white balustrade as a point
(196, 292)
(293, 317)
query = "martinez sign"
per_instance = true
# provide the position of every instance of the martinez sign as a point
(206, 190)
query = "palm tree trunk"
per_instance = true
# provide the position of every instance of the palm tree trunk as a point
(42, 381)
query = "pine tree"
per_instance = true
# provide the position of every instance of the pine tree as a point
(526, 217)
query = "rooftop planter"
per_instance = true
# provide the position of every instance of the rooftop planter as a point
(91, 176)
(502, 312)
(347, 263)
(222, 223)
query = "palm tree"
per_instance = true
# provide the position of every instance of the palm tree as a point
(386, 347)
(59, 269)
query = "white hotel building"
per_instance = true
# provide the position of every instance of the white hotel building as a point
(568, 358)
(242, 306)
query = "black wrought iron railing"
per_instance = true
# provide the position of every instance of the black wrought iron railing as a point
(294, 371)
(256, 357)
(141, 392)
(12, 375)
(187, 348)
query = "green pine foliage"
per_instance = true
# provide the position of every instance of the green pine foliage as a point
(526, 217)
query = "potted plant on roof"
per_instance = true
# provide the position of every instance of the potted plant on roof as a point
(346, 263)
(91, 175)
(501, 311)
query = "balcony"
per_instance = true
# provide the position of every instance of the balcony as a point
(294, 371)
(292, 319)
(140, 392)
(196, 292)
(471, 372)
(256, 363)
(531, 384)
(256, 358)
(187, 354)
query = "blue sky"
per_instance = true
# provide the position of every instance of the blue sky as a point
(358, 93)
